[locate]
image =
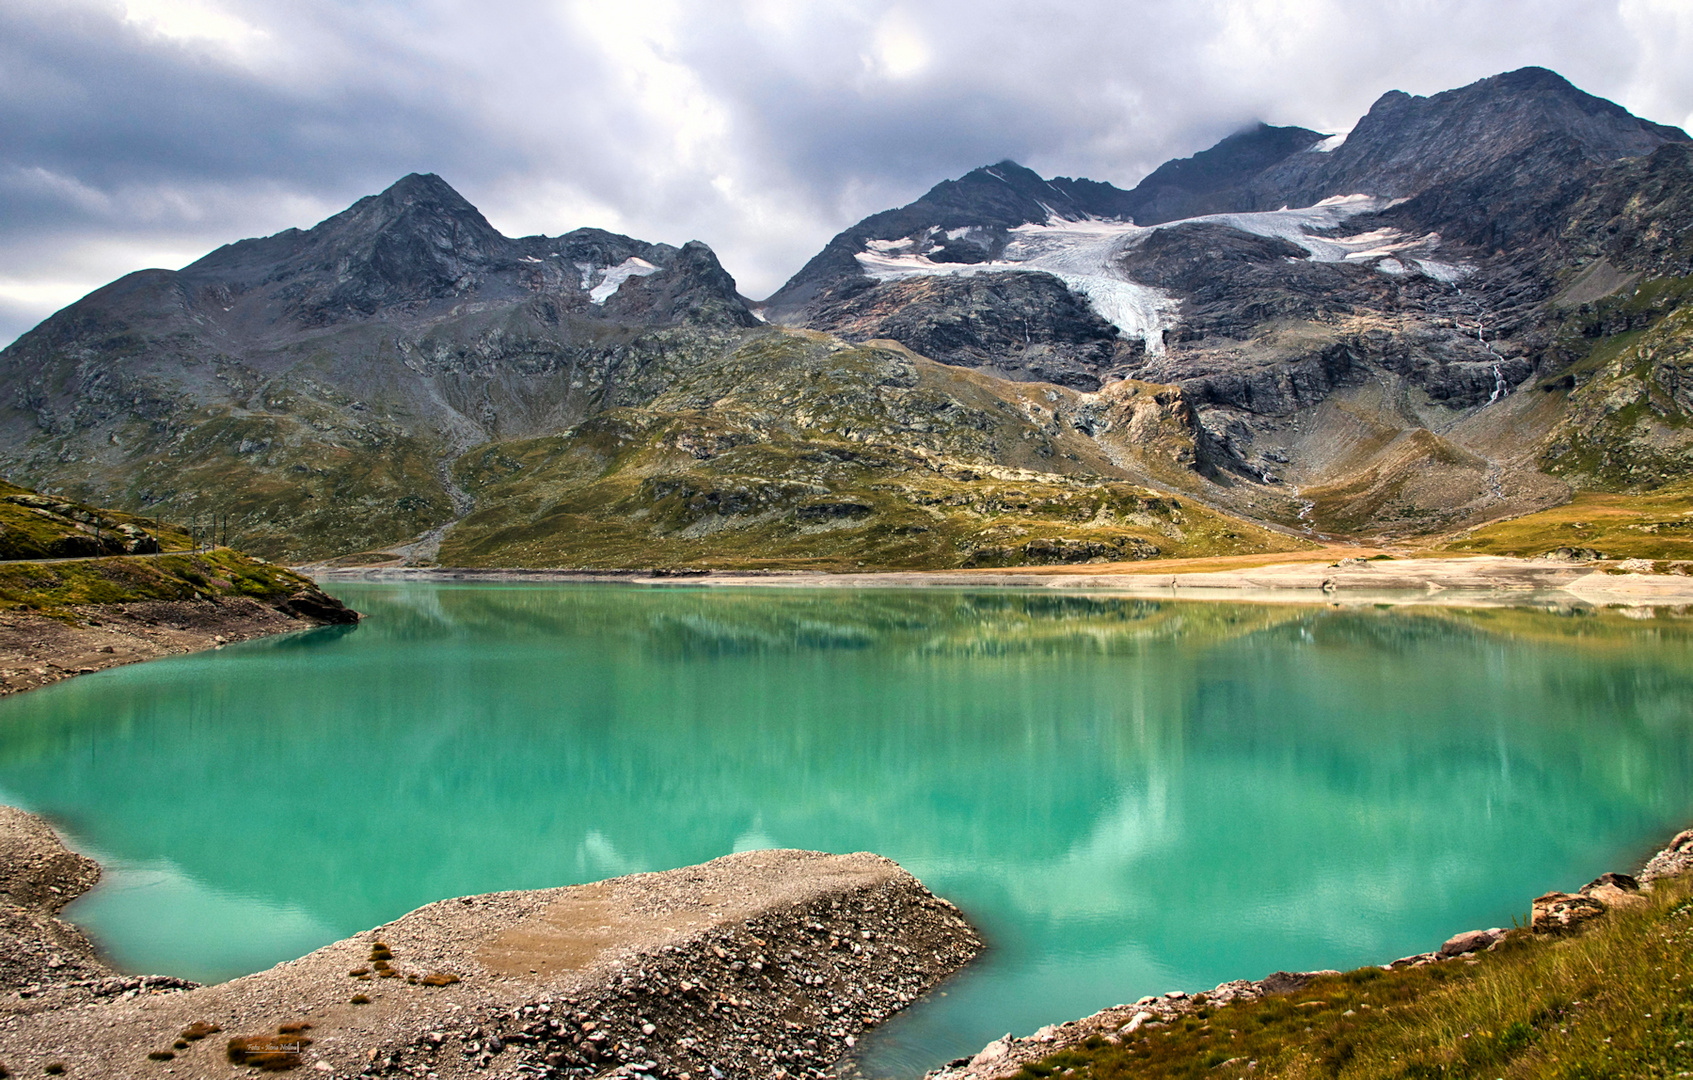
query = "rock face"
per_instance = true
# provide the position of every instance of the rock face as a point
(1028, 327)
(758, 964)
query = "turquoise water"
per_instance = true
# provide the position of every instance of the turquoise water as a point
(1126, 796)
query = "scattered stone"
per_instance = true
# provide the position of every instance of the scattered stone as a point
(1674, 859)
(1614, 890)
(995, 1051)
(1414, 961)
(1556, 912)
(1135, 1023)
(1470, 941)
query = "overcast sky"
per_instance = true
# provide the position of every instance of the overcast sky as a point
(140, 133)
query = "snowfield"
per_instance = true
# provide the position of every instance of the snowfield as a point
(615, 277)
(1087, 255)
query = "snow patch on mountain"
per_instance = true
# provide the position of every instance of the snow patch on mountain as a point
(617, 275)
(1305, 227)
(1086, 255)
(1446, 273)
(1081, 254)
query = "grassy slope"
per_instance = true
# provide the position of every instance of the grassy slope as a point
(1629, 420)
(1613, 1000)
(797, 451)
(36, 527)
(52, 588)
(84, 546)
(1655, 525)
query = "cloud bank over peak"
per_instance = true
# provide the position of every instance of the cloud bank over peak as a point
(146, 132)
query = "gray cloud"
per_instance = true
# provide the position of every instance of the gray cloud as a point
(146, 132)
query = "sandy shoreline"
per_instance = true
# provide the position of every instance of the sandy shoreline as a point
(1320, 578)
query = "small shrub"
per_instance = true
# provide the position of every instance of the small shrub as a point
(439, 978)
(270, 1053)
(161, 1055)
(360, 999)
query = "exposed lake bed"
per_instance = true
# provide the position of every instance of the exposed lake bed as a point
(1073, 770)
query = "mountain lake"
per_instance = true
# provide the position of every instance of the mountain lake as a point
(1125, 796)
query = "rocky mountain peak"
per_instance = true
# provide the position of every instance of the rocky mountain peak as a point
(1209, 181)
(418, 247)
(418, 202)
(418, 240)
(414, 186)
(1532, 122)
(1004, 194)
(419, 225)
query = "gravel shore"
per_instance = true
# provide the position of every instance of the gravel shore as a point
(767, 963)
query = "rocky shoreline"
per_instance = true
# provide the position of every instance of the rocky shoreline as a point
(37, 649)
(762, 964)
(1553, 913)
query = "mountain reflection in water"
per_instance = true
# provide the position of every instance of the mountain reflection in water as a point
(1128, 796)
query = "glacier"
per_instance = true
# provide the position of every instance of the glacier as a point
(1086, 255)
(616, 276)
